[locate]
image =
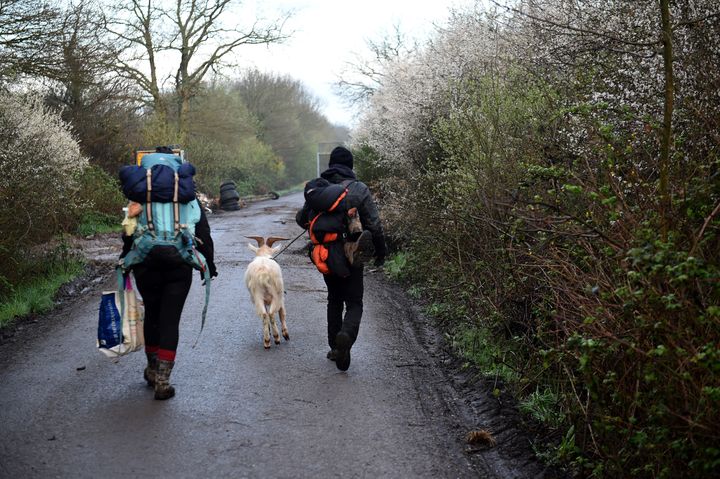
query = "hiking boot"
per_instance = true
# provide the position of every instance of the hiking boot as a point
(360, 251)
(163, 390)
(343, 343)
(332, 354)
(151, 369)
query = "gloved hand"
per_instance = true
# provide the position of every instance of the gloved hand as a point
(379, 261)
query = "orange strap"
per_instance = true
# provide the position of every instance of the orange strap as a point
(310, 229)
(340, 198)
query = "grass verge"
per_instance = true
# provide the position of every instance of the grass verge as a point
(37, 296)
(98, 223)
(291, 189)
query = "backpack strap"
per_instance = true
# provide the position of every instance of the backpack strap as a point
(148, 202)
(338, 200)
(176, 205)
(201, 263)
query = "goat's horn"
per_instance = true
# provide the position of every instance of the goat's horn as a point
(260, 240)
(273, 239)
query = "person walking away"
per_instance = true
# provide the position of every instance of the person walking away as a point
(345, 292)
(164, 273)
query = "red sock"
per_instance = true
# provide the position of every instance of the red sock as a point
(166, 355)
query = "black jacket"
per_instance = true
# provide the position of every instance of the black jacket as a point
(359, 197)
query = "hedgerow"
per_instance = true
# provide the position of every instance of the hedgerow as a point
(517, 158)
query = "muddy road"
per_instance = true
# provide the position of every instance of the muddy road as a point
(241, 410)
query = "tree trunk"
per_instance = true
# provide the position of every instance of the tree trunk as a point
(183, 115)
(666, 133)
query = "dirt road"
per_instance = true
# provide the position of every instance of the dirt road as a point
(240, 411)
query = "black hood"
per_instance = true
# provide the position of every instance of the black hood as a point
(337, 173)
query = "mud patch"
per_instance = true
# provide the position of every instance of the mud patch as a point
(468, 394)
(104, 247)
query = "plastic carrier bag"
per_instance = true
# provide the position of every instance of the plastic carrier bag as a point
(118, 336)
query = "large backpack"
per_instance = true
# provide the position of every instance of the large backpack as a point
(328, 225)
(163, 185)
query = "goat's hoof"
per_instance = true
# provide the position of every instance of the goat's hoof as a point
(286, 336)
(266, 344)
(277, 341)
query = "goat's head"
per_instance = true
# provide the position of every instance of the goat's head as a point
(264, 247)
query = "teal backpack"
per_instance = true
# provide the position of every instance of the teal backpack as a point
(165, 224)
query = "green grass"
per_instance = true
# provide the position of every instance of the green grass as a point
(97, 223)
(292, 189)
(37, 296)
(396, 266)
(484, 351)
(542, 406)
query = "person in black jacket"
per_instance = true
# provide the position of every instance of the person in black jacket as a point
(346, 293)
(163, 280)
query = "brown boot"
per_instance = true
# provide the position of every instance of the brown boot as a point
(163, 390)
(151, 369)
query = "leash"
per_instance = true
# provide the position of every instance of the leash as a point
(288, 245)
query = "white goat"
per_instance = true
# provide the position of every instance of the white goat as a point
(264, 281)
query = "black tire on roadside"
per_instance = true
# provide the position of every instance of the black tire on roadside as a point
(230, 206)
(228, 185)
(229, 196)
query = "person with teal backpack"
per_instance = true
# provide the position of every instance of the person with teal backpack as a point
(172, 237)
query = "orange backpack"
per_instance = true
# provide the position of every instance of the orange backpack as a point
(328, 227)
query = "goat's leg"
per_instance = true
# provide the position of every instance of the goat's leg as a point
(266, 330)
(283, 324)
(275, 332)
(264, 316)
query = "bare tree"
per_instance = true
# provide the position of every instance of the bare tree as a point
(27, 30)
(197, 35)
(365, 75)
(100, 105)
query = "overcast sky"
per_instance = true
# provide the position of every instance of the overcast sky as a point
(327, 34)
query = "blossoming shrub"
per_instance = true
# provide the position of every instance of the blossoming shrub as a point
(40, 164)
(517, 162)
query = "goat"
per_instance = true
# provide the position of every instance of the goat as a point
(264, 281)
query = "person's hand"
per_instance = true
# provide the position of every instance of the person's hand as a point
(379, 261)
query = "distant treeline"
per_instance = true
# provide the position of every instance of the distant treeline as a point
(81, 89)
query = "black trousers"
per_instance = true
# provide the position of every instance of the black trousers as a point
(344, 294)
(164, 286)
